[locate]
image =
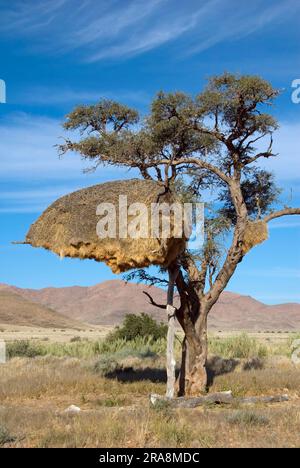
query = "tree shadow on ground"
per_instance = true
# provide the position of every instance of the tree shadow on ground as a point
(219, 366)
(137, 375)
(216, 366)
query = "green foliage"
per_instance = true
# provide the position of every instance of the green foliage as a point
(247, 418)
(239, 347)
(121, 358)
(171, 431)
(97, 117)
(106, 364)
(84, 349)
(24, 348)
(139, 326)
(75, 339)
(145, 345)
(5, 436)
(187, 142)
(235, 100)
(224, 121)
(260, 193)
(112, 401)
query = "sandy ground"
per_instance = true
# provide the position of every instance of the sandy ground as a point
(94, 332)
(14, 332)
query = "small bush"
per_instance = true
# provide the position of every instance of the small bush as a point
(139, 326)
(112, 401)
(169, 431)
(106, 364)
(248, 418)
(75, 339)
(118, 360)
(142, 345)
(239, 347)
(24, 348)
(5, 436)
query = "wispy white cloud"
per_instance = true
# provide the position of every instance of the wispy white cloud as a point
(29, 158)
(27, 149)
(32, 200)
(285, 225)
(286, 165)
(118, 29)
(159, 33)
(234, 22)
(39, 95)
(273, 273)
(30, 162)
(118, 18)
(28, 152)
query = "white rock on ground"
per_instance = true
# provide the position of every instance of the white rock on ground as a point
(72, 409)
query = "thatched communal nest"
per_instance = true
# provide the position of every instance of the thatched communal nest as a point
(68, 227)
(256, 233)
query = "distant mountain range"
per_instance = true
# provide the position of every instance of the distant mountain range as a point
(18, 310)
(107, 303)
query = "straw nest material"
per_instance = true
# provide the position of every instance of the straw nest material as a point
(256, 233)
(68, 227)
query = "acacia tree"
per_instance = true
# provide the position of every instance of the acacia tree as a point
(207, 142)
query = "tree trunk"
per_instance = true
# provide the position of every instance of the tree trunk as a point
(193, 375)
(171, 311)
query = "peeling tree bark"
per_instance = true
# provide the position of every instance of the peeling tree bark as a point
(193, 375)
(171, 311)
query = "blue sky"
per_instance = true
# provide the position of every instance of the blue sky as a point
(59, 53)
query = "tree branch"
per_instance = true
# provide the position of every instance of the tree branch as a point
(235, 252)
(152, 301)
(280, 213)
(200, 163)
(266, 154)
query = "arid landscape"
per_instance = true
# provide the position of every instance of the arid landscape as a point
(35, 393)
(59, 358)
(107, 303)
(150, 227)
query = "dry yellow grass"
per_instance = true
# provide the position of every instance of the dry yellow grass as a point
(115, 411)
(10, 333)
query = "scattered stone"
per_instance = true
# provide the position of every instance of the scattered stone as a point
(72, 409)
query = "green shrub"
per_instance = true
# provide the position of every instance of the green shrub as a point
(139, 326)
(247, 418)
(143, 345)
(84, 349)
(118, 359)
(5, 436)
(240, 347)
(106, 364)
(24, 348)
(75, 339)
